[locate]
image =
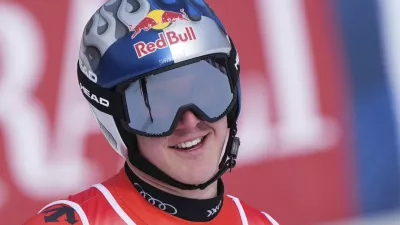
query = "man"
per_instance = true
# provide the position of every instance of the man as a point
(162, 80)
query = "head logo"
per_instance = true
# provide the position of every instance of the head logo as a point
(158, 20)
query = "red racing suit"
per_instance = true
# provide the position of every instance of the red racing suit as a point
(117, 202)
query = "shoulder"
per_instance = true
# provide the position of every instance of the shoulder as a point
(66, 212)
(252, 214)
(61, 212)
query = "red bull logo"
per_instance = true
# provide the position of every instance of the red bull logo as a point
(158, 20)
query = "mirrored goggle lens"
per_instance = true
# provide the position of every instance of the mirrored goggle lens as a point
(154, 103)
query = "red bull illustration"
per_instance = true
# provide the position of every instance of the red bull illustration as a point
(169, 16)
(146, 24)
(157, 19)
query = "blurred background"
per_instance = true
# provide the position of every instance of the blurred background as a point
(319, 126)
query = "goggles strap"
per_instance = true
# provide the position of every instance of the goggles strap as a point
(228, 160)
(102, 99)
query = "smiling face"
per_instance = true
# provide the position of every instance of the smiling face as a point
(191, 153)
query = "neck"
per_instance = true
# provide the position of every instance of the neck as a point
(209, 192)
(193, 205)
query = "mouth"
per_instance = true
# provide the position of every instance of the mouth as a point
(190, 145)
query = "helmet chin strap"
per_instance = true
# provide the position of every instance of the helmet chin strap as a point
(228, 162)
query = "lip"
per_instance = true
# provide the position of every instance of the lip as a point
(194, 153)
(186, 140)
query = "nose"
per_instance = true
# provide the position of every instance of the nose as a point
(187, 120)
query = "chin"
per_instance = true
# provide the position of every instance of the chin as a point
(196, 178)
(195, 172)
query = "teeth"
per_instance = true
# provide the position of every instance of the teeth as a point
(189, 144)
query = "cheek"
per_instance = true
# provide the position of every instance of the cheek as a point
(221, 127)
(150, 146)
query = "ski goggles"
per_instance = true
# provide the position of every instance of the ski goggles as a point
(155, 103)
(152, 104)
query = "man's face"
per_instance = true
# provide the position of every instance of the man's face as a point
(191, 153)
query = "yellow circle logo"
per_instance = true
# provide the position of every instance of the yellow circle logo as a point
(157, 16)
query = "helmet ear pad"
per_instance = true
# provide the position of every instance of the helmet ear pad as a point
(129, 138)
(234, 71)
(233, 114)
